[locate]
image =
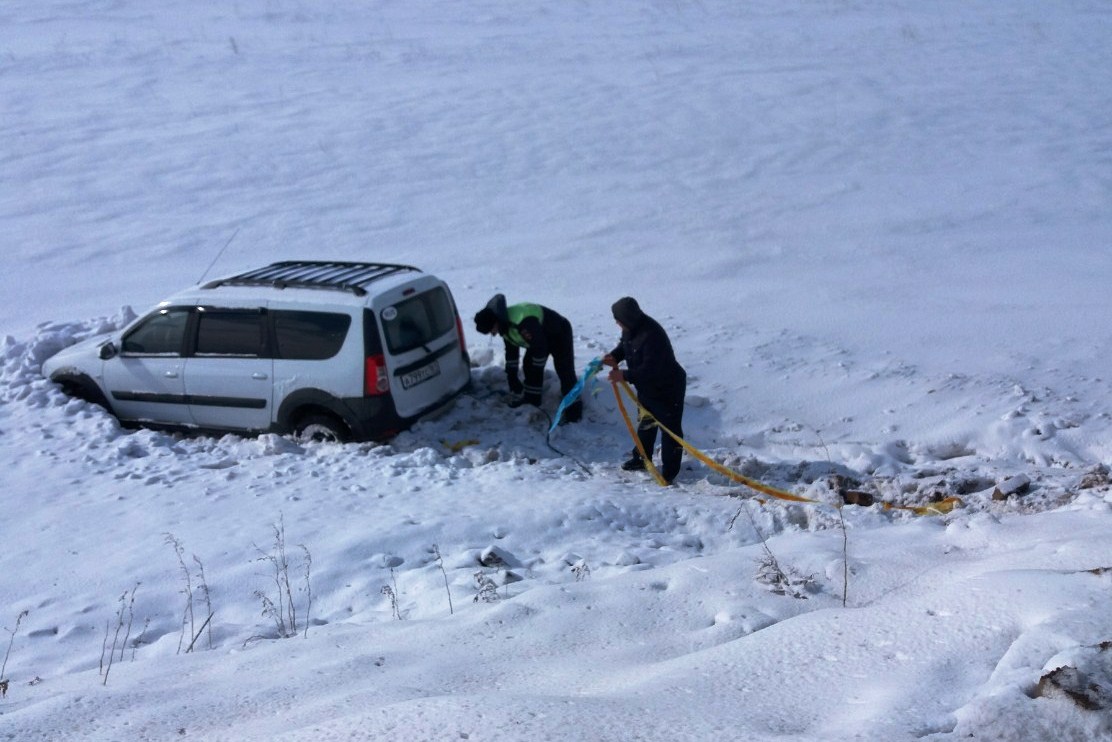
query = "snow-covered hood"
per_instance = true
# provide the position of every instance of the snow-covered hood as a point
(83, 355)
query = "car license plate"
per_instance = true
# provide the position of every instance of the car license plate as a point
(413, 378)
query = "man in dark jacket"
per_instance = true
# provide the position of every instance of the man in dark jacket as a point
(660, 381)
(541, 332)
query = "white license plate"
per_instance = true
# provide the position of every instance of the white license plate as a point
(413, 378)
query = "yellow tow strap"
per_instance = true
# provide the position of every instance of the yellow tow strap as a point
(457, 446)
(647, 458)
(733, 475)
(937, 508)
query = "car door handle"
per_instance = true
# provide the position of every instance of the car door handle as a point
(259, 375)
(171, 374)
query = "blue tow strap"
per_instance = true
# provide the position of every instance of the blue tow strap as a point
(591, 371)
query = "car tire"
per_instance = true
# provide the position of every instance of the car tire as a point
(83, 388)
(321, 428)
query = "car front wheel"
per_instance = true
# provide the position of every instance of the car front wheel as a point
(83, 388)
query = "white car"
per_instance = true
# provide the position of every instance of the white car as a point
(321, 350)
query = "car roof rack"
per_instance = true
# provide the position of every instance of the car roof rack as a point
(315, 274)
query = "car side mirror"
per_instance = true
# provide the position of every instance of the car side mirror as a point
(108, 350)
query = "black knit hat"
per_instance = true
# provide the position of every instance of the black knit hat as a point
(493, 315)
(485, 320)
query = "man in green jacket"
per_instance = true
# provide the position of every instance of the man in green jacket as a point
(541, 332)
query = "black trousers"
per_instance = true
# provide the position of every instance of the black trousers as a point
(668, 409)
(561, 344)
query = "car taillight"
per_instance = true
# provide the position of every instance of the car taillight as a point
(375, 379)
(462, 340)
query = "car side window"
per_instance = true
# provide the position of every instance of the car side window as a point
(162, 333)
(309, 336)
(230, 332)
(418, 320)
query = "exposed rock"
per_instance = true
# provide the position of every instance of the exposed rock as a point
(1095, 477)
(968, 485)
(1069, 682)
(1017, 485)
(847, 489)
(493, 556)
(1086, 682)
(857, 497)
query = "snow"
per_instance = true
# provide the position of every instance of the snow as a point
(876, 231)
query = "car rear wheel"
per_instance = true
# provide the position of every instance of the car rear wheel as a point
(321, 428)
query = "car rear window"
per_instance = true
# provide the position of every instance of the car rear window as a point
(418, 320)
(230, 332)
(309, 336)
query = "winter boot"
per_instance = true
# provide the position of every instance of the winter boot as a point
(635, 463)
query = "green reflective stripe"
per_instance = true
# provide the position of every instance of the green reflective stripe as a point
(518, 313)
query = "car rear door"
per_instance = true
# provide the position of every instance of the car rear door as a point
(423, 348)
(145, 381)
(229, 372)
